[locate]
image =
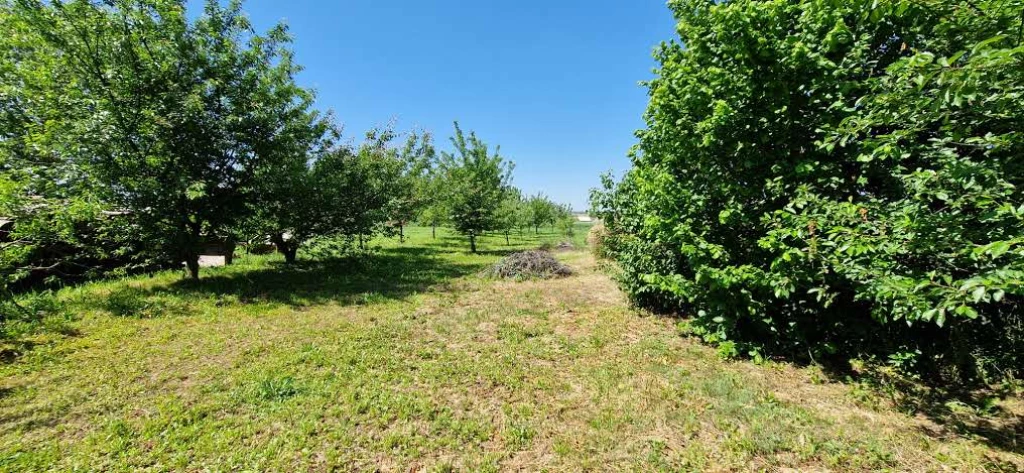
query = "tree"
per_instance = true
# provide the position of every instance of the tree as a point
(433, 189)
(292, 202)
(541, 211)
(511, 213)
(832, 178)
(435, 213)
(172, 117)
(477, 182)
(409, 186)
(375, 173)
(565, 220)
(44, 196)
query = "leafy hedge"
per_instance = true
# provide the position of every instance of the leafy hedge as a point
(833, 178)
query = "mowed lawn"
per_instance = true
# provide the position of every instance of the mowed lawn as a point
(409, 360)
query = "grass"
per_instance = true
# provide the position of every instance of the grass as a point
(409, 360)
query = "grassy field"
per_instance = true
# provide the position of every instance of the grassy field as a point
(408, 360)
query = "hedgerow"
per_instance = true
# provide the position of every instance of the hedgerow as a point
(829, 179)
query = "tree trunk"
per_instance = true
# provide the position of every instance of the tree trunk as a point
(507, 242)
(472, 242)
(229, 251)
(192, 263)
(286, 248)
(433, 232)
(194, 229)
(360, 241)
(401, 232)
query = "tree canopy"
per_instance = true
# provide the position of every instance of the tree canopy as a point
(173, 119)
(477, 182)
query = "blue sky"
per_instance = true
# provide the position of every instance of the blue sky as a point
(554, 82)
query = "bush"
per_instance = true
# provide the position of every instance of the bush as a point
(529, 264)
(597, 241)
(827, 179)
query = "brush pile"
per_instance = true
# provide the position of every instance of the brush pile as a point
(529, 264)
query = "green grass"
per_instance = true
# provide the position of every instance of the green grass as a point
(408, 360)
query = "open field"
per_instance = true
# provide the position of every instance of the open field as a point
(408, 360)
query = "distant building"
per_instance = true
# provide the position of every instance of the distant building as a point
(584, 218)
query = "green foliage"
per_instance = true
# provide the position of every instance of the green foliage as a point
(329, 191)
(56, 227)
(410, 189)
(512, 214)
(565, 220)
(477, 182)
(173, 119)
(540, 211)
(835, 178)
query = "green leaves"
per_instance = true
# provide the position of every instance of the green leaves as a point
(816, 170)
(176, 120)
(477, 183)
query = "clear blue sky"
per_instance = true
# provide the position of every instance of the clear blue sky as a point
(554, 82)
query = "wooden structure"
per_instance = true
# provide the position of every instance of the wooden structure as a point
(217, 252)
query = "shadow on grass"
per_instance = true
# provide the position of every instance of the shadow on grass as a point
(957, 412)
(493, 244)
(14, 349)
(393, 273)
(966, 411)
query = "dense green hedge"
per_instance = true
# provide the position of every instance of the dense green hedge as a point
(833, 178)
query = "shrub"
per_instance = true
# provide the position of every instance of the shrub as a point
(597, 241)
(529, 264)
(826, 178)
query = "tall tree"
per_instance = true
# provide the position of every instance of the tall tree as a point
(174, 116)
(477, 181)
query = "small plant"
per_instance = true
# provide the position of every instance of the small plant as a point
(519, 436)
(529, 264)
(276, 389)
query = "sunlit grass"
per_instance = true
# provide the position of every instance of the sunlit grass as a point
(408, 360)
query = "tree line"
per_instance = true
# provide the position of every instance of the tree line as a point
(824, 180)
(132, 135)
